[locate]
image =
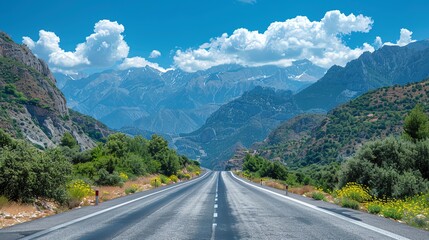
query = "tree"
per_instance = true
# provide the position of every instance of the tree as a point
(416, 124)
(27, 173)
(169, 163)
(157, 145)
(68, 140)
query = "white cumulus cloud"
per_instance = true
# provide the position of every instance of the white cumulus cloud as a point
(104, 48)
(405, 38)
(282, 43)
(139, 62)
(155, 54)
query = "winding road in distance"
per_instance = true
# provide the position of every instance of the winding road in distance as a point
(216, 205)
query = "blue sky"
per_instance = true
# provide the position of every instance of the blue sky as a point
(177, 29)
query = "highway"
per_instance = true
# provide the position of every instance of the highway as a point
(216, 205)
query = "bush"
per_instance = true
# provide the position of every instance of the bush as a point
(392, 212)
(390, 167)
(3, 201)
(355, 192)
(174, 178)
(78, 189)
(123, 176)
(108, 179)
(349, 203)
(132, 189)
(180, 175)
(164, 179)
(28, 173)
(374, 208)
(318, 196)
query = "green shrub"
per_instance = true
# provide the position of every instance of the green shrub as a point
(132, 189)
(318, 196)
(78, 189)
(28, 173)
(180, 175)
(174, 178)
(109, 179)
(164, 179)
(355, 192)
(3, 201)
(349, 203)
(392, 212)
(374, 208)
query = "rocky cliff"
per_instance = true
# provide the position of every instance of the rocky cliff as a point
(32, 107)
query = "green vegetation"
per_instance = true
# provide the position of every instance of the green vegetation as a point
(28, 173)
(257, 166)
(3, 201)
(65, 174)
(318, 196)
(93, 128)
(416, 125)
(68, 141)
(388, 175)
(349, 203)
(132, 189)
(338, 135)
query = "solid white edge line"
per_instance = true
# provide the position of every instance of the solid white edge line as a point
(361, 224)
(46, 231)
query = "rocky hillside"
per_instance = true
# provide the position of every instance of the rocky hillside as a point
(238, 124)
(376, 114)
(385, 67)
(32, 107)
(175, 101)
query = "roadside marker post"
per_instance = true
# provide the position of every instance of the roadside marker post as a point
(287, 189)
(261, 181)
(96, 197)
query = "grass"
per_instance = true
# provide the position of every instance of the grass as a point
(318, 196)
(349, 203)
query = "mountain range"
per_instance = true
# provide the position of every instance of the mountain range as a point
(175, 101)
(387, 66)
(32, 107)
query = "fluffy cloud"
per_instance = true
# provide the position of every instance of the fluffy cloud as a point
(139, 62)
(405, 38)
(102, 49)
(282, 43)
(155, 54)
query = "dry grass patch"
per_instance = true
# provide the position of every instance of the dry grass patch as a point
(14, 213)
(302, 190)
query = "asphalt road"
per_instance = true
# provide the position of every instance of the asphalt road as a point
(215, 206)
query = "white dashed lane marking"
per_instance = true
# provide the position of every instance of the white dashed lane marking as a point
(215, 208)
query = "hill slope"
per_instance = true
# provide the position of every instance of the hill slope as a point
(376, 114)
(32, 107)
(238, 123)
